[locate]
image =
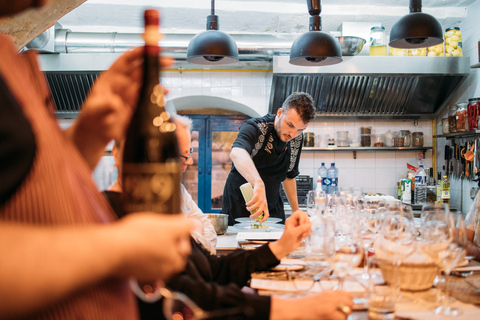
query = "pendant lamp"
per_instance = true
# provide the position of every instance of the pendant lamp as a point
(212, 47)
(315, 48)
(416, 29)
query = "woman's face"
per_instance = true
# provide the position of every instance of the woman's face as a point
(11, 7)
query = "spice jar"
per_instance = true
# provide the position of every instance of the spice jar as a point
(309, 139)
(461, 113)
(452, 118)
(417, 139)
(378, 45)
(445, 128)
(473, 110)
(419, 52)
(398, 139)
(453, 42)
(407, 139)
(435, 51)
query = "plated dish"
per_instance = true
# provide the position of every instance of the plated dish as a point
(290, 264)
(251, 220)
(257, 225)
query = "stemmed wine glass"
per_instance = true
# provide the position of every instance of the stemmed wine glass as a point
(396, 238)
(316, 202)
(444, 237)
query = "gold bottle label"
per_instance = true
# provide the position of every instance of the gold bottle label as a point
(151, 187)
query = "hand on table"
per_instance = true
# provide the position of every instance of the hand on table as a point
(297, 227)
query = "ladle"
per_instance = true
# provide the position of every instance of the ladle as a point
(469, 155)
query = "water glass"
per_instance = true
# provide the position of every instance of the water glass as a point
(381, 306)
(316, 202)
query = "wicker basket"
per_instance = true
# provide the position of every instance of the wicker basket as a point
(413, 276)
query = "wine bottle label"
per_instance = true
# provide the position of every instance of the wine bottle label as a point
(151, 187)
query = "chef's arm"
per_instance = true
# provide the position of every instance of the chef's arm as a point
(290, 187)
(245, 166)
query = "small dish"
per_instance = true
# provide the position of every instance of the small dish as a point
(290, 265)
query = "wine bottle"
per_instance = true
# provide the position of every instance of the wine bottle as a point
(151, 170)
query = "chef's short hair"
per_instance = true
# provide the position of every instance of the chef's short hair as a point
(301, 102)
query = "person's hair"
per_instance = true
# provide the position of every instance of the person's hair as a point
(183, 120)
(302, 103)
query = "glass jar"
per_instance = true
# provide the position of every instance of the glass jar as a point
(407, 138)
(378, 45)
(419, 52)
(452, 118)
(398, 139)
(461, 114)
(435, 51)
(453, 42)
(445, 128)
(397, 52)
(417, 139)
(309, 139)
(473, 110)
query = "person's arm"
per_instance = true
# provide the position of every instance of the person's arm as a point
(40, 265)
(245, 166)
(194, 212)
(109, 106)
(290, 187)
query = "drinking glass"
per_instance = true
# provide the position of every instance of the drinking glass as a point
(396, 238)
(316, 202)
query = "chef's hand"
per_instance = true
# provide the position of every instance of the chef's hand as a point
(259, 201)
(152, 245)
(297, 227)
(109, 106)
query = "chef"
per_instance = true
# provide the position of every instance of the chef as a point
(265, 154)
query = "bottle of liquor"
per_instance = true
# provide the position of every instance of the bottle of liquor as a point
(151, 167)
(445, 190)
(439, 183)
(399, 188)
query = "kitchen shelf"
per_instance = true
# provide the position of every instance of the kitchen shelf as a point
(366, 149)
(455, 135)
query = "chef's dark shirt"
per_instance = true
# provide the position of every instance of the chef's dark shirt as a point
(274, 159)
(17, 144)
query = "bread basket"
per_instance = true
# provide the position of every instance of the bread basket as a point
(417, 272)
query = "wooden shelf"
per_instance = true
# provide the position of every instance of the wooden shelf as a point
(455, 135)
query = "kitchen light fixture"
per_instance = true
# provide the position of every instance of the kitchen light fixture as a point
(315, 48)
(416, 29)
(212, 47)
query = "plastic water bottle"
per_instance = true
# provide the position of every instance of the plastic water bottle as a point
(332, 177)
(321, 176)
(420, 186)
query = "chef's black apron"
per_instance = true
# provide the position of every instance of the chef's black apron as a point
(274, 159)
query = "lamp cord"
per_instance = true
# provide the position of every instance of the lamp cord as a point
(213, 7)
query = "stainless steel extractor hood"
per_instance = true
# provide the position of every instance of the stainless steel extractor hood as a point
(364, 86)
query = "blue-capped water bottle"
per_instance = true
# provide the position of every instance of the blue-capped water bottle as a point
(321, 176)
(332, 179)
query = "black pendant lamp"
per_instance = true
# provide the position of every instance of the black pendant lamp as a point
(315, 48)
(212, 47)
(416, 29)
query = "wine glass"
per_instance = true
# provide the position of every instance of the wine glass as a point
(316, 202)
(343, 252)
(396, 238)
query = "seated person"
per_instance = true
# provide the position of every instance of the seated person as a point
(203, 230)
(215, 283)
(472, 223)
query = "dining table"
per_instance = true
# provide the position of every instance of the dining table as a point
(420, 305)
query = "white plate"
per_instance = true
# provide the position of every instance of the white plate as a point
(248, 220)
(266, 226)
(290, 264)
